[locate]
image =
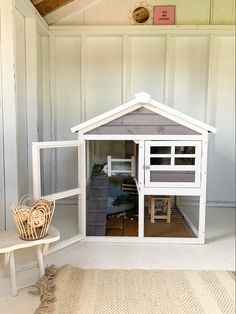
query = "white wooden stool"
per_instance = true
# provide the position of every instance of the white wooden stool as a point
(166, 208)
(10, 241)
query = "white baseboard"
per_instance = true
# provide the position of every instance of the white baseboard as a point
(222, 204)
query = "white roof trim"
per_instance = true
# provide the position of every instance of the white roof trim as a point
(104, 116)
(141, 99)
(183, 116)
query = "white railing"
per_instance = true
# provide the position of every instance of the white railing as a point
(121, 166)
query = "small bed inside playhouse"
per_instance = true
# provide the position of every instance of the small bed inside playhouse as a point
(142, 174)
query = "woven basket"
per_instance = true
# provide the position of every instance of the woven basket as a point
(33, 217)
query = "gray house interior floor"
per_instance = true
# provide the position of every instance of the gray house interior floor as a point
(217, 254)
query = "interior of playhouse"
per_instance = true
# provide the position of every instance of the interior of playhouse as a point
(112, 207)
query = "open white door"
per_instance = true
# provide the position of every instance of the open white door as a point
(77, 193)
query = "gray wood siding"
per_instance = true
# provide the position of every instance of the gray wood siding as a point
(143, 121)
(172, 176)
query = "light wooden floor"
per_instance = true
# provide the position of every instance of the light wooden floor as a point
(121, 226)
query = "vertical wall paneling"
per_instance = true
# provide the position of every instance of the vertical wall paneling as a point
(46, 117)
(179, 68)
(21, 105)
(32, 89)
(223, 12)
(45, 131)
(40, 83)
(103, 74)
(52, 64)
(190, 75)
(167, 97)
(147, 65)
(125, 58)
(9, 101)
(221, 179)
(50, 170)
(83, 79)
(209, 103)
(68, 106)
(67, 85)
(2, 180)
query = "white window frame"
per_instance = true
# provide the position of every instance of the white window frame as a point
(172, 167)
(80, 190)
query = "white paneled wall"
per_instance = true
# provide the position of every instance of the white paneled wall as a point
(8, 102)
(188, 87)
(68, 107)
(221, 112)
(21, 103)
(21, 97)
(67, 71)
(2, 186)
(103, 74)
(96, 70)
(146, 66)
(28, 55)
(113, 12)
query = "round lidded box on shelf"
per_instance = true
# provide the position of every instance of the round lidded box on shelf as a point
(33, 217)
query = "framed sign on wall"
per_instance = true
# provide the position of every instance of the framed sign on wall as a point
(164, 15)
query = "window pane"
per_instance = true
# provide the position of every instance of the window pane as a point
(184, 161)
(185, 150)
(160, 161)
(160, 150)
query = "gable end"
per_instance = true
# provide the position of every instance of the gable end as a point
(142, 121)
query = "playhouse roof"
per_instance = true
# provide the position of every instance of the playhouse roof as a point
(144, 100)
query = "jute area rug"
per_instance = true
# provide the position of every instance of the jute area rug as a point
(70, 290)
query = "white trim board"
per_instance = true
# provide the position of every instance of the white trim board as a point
(210, 203)
(201, 30)
(27, 9)
(148, 240)
(130, 137)
(7, 30)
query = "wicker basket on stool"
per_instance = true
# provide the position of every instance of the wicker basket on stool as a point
(33, 217)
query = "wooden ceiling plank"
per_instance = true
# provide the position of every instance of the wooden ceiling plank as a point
(46, 6)
(35, 2)
(68, 9)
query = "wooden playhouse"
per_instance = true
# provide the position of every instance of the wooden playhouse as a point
(142, 174)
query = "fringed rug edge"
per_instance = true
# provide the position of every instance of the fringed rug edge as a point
(45, 288)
